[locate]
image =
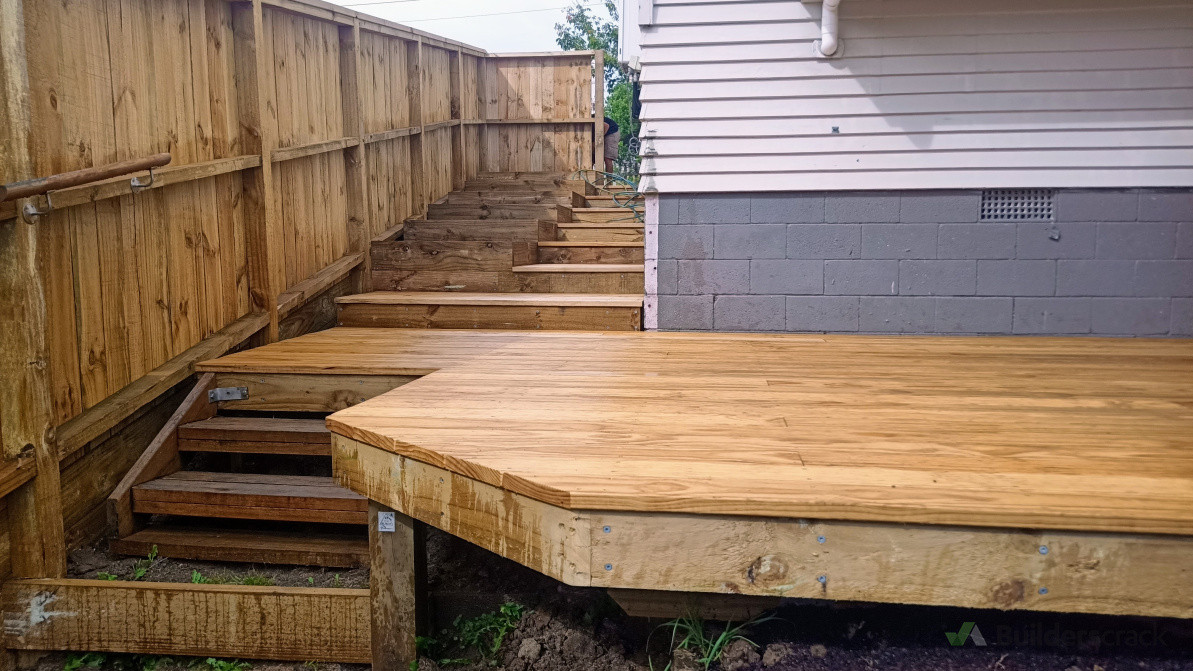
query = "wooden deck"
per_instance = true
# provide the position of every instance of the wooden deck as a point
(1043, 473)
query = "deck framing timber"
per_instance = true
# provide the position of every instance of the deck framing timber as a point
(302, 624)
(1063, 571)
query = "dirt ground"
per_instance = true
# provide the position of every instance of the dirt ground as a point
(566, 629)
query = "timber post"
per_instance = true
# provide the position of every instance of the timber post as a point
(397, 586)
(26, 423)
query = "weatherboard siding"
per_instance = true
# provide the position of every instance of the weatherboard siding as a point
(928, 94)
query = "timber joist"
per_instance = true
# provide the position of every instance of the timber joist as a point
(1116, 574)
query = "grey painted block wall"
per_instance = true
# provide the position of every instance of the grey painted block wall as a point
(1115, 262)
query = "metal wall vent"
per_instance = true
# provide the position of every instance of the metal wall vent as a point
(1017, 205)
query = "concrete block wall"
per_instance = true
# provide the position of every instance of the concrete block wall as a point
(1114, 262)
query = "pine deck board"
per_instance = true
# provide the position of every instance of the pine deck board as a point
(1065, 433)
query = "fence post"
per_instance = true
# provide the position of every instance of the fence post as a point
(414, 93)
(356, 191)
(264, 236)
(598, 138)
(456, 73)
(38, 544)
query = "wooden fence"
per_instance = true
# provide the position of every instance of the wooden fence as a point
(299, 132)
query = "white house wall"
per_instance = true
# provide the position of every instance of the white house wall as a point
(940, 94)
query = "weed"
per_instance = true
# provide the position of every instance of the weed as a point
(310, 580)
(143, 565)
(481, 635)
(214, 664)
(199, 579)
(487, 631)
(102, 575)
(691, 632)
(336, 581)
(257, 579)
(76, 661)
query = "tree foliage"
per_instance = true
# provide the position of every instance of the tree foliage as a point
(584, 30)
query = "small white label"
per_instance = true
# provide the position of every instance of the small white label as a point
(385, 522)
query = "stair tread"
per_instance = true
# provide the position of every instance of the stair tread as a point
(605, 243)
(496, 299)
(601, 224)
(243, 545)
(272, 429)
(295, 489)
(581, 268)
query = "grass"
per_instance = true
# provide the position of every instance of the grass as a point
(251, 579)
(130, 662)
(691, 632)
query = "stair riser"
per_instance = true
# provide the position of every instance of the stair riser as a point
(580, 234)
(347, 554)
(247, 512)
(451, 256)
(486, 212)
(254, 447)
(476, 199)
(591, 254)
(580, 215)
(500, 185)
(491, 317)
(581, 283)
(492, 229)
(508, 281)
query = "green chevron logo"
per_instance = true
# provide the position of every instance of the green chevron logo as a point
(968, 630)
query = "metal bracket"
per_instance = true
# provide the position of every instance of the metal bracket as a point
(138, 185)
(30, 213)
(227, 394)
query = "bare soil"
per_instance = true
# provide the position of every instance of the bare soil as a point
(566, 628)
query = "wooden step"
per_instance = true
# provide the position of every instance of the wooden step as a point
(605, 214)
(585, 278)
(256, 435)
(292, 498)
(495, 211)
(591, 252)
(248, 546)
(615, 201)
(600, 232)
(520, 197)
(447, 265)
(534, 184)
(410, 309)
(532, 230)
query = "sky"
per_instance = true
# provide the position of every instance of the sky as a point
(498, 27)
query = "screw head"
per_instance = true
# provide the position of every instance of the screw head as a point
(820, 539)
(607, 529)
(821, 579)
(1043, 549)
(608, 567)
(1043, 590)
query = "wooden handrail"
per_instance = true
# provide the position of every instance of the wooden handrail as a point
(65, 180)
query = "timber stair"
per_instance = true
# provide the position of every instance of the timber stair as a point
(458, 310)
(241, 486)
(250, 496)
(248, 479)
(544, 237)
(256, 435)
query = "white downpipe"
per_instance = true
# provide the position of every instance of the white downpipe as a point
(829, 42)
